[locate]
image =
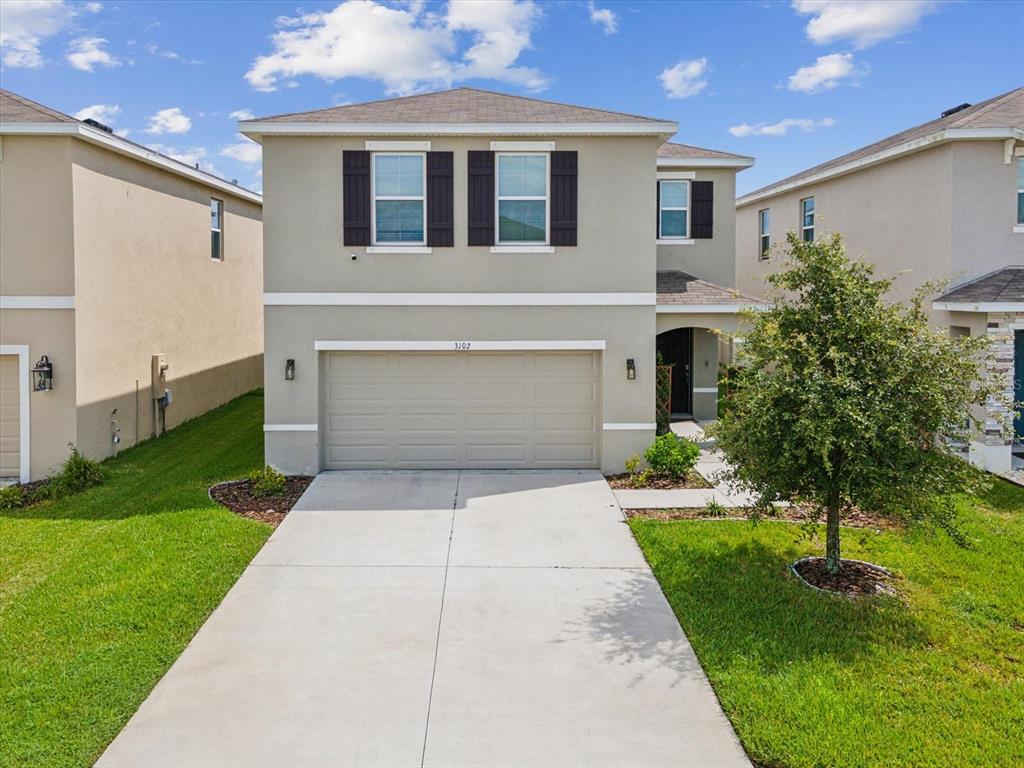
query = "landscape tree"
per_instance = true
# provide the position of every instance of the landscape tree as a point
(848, 400)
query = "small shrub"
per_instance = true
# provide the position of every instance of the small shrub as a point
(78, 473)
(11, 497)
(714, 509)
(672, 455)
(640, 479)
(633, 464)
(267, 482)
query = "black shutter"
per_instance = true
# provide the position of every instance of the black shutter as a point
(657, 209)
(356, 196)
(702, 205)
(564, 185)
(440, 199)
(481, 198)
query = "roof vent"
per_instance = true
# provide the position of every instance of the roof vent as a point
(954, 110)
(98, 124)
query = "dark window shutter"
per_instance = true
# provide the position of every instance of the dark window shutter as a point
(440, 199)
(564, 186)
(657, 208)
(481, 198)
(356, 196)
(702, 205)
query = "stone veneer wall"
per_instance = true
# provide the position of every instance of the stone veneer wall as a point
(999, 411)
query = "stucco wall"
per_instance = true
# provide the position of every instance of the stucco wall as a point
(145, 283)
(714, 258)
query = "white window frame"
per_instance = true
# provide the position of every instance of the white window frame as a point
(764, 235)
(395, 244)
(663, 207)
(219, 230)
(814, 218)
(522, 244)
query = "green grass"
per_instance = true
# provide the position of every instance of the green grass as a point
(814, 680)
(100, 592)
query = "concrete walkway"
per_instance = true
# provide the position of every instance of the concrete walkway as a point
(439, 619)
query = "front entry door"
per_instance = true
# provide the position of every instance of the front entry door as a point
(1018, 378)
(676, 348)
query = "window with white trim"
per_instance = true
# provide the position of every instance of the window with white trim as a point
(1020, 190)
(764, 239)
(216, 229)
(399, 201)
(807, 219)
(522, 198)
(673, 210)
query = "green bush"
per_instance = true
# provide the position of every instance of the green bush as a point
(11, 497)
(78, 473)
(266, 482)
(714, 509)
(672, 455)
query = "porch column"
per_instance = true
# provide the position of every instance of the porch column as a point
(994, 450)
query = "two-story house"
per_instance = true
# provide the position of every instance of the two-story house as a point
(130, 288)
(470, 279)
(942, 201)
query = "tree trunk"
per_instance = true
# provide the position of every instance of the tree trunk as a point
(832, 539)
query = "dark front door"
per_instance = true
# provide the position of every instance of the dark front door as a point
(676, 348)
(1018, 381)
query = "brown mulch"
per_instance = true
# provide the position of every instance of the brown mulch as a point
(853, 519)
(237, 496)
(855, 579)
(662, 482)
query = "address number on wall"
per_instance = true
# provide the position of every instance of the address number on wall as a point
(463, 345)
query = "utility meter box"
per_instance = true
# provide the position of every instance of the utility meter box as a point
(159, 375)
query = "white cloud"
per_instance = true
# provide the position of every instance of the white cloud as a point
(122, 132)
(406, 48)
(685, 79)
(241, 114)
(94, 7)
(105, 113)
(864, 22)
(824, 74)
(84, 53)
(168, 54)
(782, 127)
(248, 152)
(25, 24)
(170, 120)
(605, 17)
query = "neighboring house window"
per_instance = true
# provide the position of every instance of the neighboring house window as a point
(674, 209)
(216, 229)
(522, 199)
(807, 219)
(1020, 191)
(763, 233)
(399, 210)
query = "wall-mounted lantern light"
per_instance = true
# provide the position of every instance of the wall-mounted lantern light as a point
(289, 369)
(42, 375)
(630, 369)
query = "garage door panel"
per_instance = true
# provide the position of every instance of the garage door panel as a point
(482, 363)
(561, 422)
(359, 422)
(359, 366)
(565, 364)
(359, 391)
(557, 452)
(441, 453)
(495, 391)
(574, 390)
(427, 391)
(364, 454)
(512, 454)
(434, 364)
(489, 423)
(428, 422)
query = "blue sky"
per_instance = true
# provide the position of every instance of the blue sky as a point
(792, 83)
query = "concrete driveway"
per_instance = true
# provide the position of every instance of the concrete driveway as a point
(439, 619)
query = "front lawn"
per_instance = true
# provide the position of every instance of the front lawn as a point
(100, 592)
(814, 680)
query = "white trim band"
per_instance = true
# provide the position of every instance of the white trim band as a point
(398, 249)
(274, 299)
(674, 241)
(705, 390)
(290, 427)
(455, 345)
(37, 302)
(258, 128)
(613, 426)
(705, 309)
(398, 146)
(705, 162)
(522, 249)
(677, 175)
(24, 405)
(522, 146)
(983, 306)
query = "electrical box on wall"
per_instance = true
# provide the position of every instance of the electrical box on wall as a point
(159, 375)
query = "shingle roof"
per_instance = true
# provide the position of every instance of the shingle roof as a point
(1003, 111)
(1006, 285)
(681, 288)
(672, 149)
(18, 109)
(458, 105)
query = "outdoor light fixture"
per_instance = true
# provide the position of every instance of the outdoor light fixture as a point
(630, 369)
(42, 375)
(289, 369)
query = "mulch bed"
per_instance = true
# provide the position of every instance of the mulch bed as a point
(855, 578)
(854, 519)
(623, 482)
(237, 496)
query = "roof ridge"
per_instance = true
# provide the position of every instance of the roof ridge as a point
(976, 110)
(27, 102)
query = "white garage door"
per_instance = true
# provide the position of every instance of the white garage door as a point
(10, 422)
(460, 409)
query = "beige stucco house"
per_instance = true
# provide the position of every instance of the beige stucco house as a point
(471, 279)
(940, 201)
(111, 254)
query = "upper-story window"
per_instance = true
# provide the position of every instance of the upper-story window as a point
(399, 208)
(764, 240)
(807, 219)
(216, 229)
(522, 198)
(1020, 191)
(673, 210)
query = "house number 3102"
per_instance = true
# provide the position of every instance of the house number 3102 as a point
(462, 345)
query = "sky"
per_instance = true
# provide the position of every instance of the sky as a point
(790, 83)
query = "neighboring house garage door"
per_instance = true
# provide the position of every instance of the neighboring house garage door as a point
(461, 409)
(10, 421)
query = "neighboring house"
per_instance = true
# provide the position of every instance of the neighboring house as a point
(111, 253)
(470, 279)
(941, 201)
